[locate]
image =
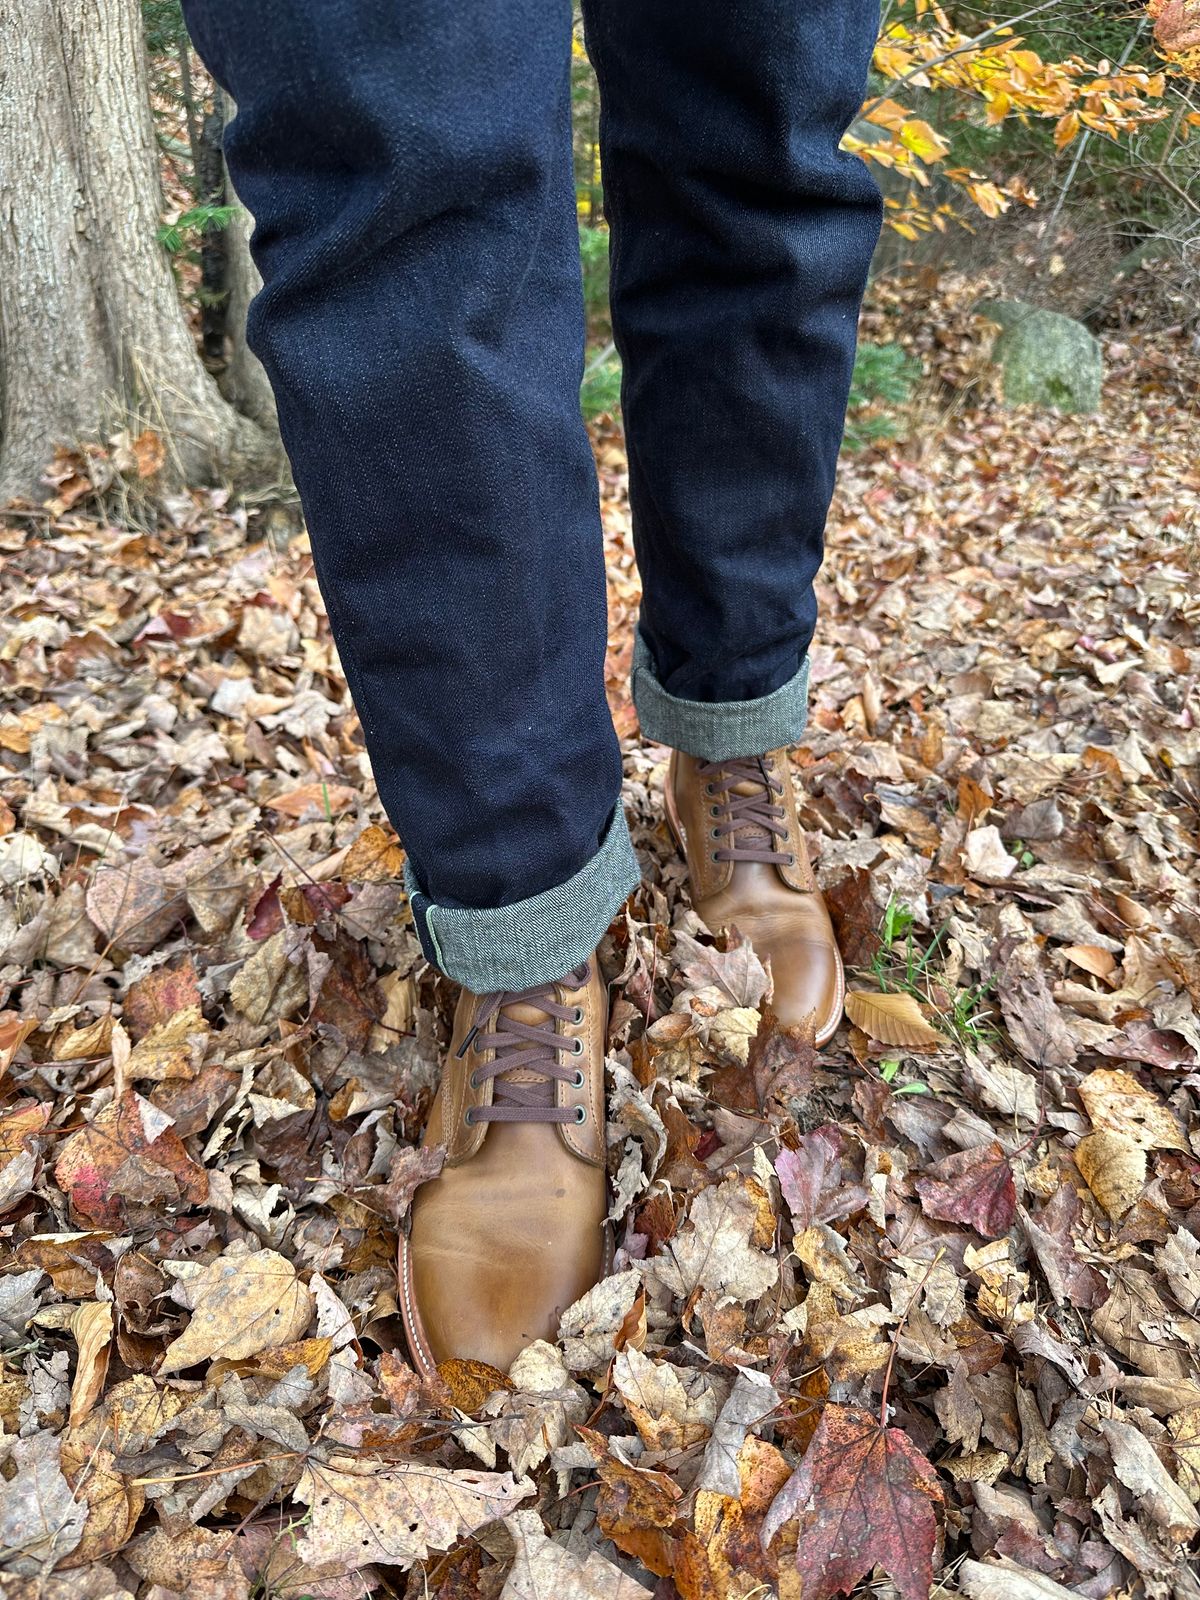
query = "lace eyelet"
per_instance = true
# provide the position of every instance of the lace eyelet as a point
(580, 1114)
(473, 1080)
(714, 833)
(791, 859)
(578, 1017)
(714, 811)
(709, 789)
(576, 1047)
(468, 1118)
(577, 1080)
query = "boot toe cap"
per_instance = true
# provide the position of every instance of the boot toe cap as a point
(483, 1299)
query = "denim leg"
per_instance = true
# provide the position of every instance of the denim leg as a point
(421, 321)
(741, 239)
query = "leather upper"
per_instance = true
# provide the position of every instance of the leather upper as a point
(511, 1232)
(777, 906)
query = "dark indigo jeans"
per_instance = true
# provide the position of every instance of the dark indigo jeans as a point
(408, 164)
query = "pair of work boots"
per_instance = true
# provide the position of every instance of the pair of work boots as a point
(512, 1230)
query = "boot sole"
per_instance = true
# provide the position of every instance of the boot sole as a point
(823, 1034)
(414, 1328)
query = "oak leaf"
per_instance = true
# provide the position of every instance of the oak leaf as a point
(864, 1497)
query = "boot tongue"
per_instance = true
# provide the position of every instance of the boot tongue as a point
(750, 832)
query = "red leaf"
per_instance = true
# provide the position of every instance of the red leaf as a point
(864, 1496)
(813, 1180)
(267, 916)
(974, 1187)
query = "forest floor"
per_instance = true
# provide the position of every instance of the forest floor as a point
(927, 1303)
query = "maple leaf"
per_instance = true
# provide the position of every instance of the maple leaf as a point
(864, 1497)
(813, 1181)
(128, 1155)
(974, 1187)
(781, 1062)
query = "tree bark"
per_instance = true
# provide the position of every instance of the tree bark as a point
(244, 381)
(92, 334)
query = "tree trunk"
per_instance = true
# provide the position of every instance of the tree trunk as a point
(92, 333)
(244, 382)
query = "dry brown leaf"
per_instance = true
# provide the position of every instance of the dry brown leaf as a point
(127, 1158)
(895, 1019)
(1114, 1169)
(1140, 1470)
(361, 1511)
(713, 1249)
(92, 1327)
(242, 1303)
(672, 1410)
(317, 799)
(1117, 1103)
(1092, 958)
(546, 1570)
(173, 1048)
(374, 857)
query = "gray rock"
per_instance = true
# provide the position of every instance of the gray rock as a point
(1046, 359)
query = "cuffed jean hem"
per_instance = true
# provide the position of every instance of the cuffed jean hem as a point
(533, 941)
(718, 730)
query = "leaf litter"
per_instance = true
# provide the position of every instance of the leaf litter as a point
(922, 1308)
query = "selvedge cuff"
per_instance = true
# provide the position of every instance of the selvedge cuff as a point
(532, 941)
(721, 729)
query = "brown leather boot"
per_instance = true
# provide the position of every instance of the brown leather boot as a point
(736, 822)
(512, 1231)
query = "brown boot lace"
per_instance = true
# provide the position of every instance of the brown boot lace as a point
(526, 1063)
(744, 793)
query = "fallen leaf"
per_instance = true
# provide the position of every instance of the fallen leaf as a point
(546, 1570)
(243, 1302)
(92, 1327)
(1138, 1467)
(713, 1250)
(813, 1180)
(127, 1159)
(1114, 1169)
(317, 799)
(864, 1497)
(894, 1019)
(362, 1511)
(1117, 1103)
(751, 1401)
(136, 904)
(41, 1521)
(974, 1187)
(985, 856)
(374, 857)
(671, 1409)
